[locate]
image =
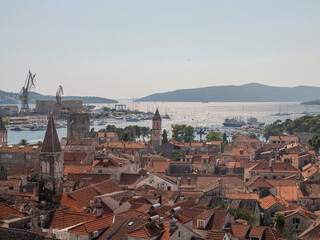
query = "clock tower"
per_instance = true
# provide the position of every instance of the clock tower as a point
(156, 130)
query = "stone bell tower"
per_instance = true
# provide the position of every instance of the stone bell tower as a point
(50, 182)
(3, 133)
(156, 130)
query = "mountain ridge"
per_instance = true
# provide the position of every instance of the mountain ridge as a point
(13, 98)
(250, 92)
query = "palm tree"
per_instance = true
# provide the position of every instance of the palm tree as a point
(201, 132)
(23, 142)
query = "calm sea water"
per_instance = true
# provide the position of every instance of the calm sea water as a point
(196, 114)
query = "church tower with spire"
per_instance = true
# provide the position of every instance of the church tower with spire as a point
(50, 182)
(3, 133)
(156, 129)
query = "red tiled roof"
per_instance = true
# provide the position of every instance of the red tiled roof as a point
(90, 177)
(239, 230)
(76, 169)
(257, 231)
(121, 226)
(84, 195)
(134, 213)
(258, 182)
(6, 210)
(312, 232)
(16, 148)
(62, 219)
(127, 145)
(147, 231)
(93, 225)
(244, 196)
(214, 235)
(107, 186)
(158, 166)
(69, 203)
(276, 167)
(270, 200)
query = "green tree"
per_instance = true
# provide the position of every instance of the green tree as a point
(182, 132)
(176, 155)
(23, 142)
(125, 136)
(200, 132)
(145, 132)
(164, 137)
(243, 213)
(213, 136)
(224, 138)
(314, 142)
(252, 135)
(6, 121)
(111, 128)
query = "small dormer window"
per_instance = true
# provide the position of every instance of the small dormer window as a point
(285, 167)
(200, 224)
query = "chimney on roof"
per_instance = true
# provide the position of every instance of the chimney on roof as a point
(99, 210)
(173, 224)
(189, 181)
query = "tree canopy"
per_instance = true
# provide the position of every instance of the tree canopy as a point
(301, 124)
(182, 132)
(213, 136)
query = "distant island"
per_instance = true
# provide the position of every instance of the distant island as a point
(13, 98)
(313, 102)
(252, 92)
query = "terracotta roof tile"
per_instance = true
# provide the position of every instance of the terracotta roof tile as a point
(90, 177)
(276, 167)
(62, 219)
(69, 203)
(16, 148)
(258, 182)
(121, 226)
(312, 232)
(94, 225)
(270, 200)
(158, 166)
(240, 231)
(257, 231)
(214, 235)
(146, 231)
(6, 210)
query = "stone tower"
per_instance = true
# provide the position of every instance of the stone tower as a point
(3, 133)
(156, 129)
(50, 182)
(78, 125)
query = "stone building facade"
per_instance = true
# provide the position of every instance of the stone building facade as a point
(78, 125)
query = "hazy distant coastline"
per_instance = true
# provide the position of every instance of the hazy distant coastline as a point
(252, 92)
(13, 98)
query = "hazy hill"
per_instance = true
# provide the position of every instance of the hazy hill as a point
(313, 102)
(13, 98)
(252, 92)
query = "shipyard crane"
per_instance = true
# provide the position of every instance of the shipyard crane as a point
(29, 83)
(59, 94)
(58, 103)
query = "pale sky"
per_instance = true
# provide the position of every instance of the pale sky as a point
(120, 49)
